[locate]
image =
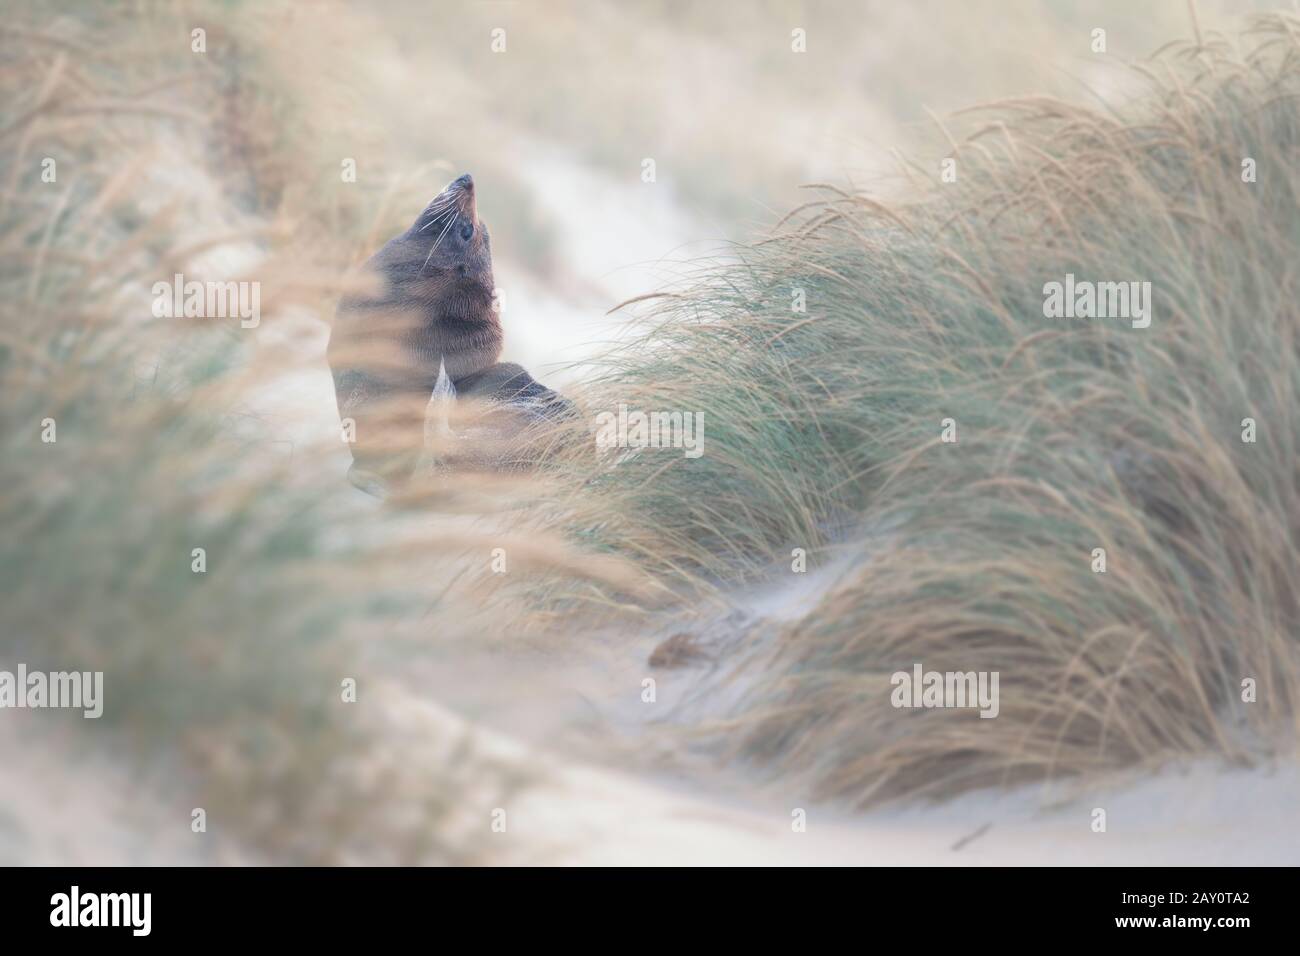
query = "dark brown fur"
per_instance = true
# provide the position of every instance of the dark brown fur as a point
(434, 306)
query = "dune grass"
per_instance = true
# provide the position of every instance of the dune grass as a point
(824, 431)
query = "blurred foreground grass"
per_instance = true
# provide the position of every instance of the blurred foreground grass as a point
(226, 678)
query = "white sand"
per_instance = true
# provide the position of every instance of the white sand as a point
(63, 803)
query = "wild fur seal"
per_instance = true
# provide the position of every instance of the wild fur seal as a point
(430, 324)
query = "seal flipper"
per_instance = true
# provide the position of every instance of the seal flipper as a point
(509, 384)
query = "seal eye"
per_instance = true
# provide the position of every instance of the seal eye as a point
(466, 231)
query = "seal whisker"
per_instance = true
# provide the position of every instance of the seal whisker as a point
(445, 229)
(434, 219)
(450, 222)
(436, 210)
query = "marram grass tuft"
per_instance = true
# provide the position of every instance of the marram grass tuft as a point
(925, 423)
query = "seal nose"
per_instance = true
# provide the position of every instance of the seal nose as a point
(463, 188)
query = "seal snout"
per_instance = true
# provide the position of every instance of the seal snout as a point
(462, 188)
